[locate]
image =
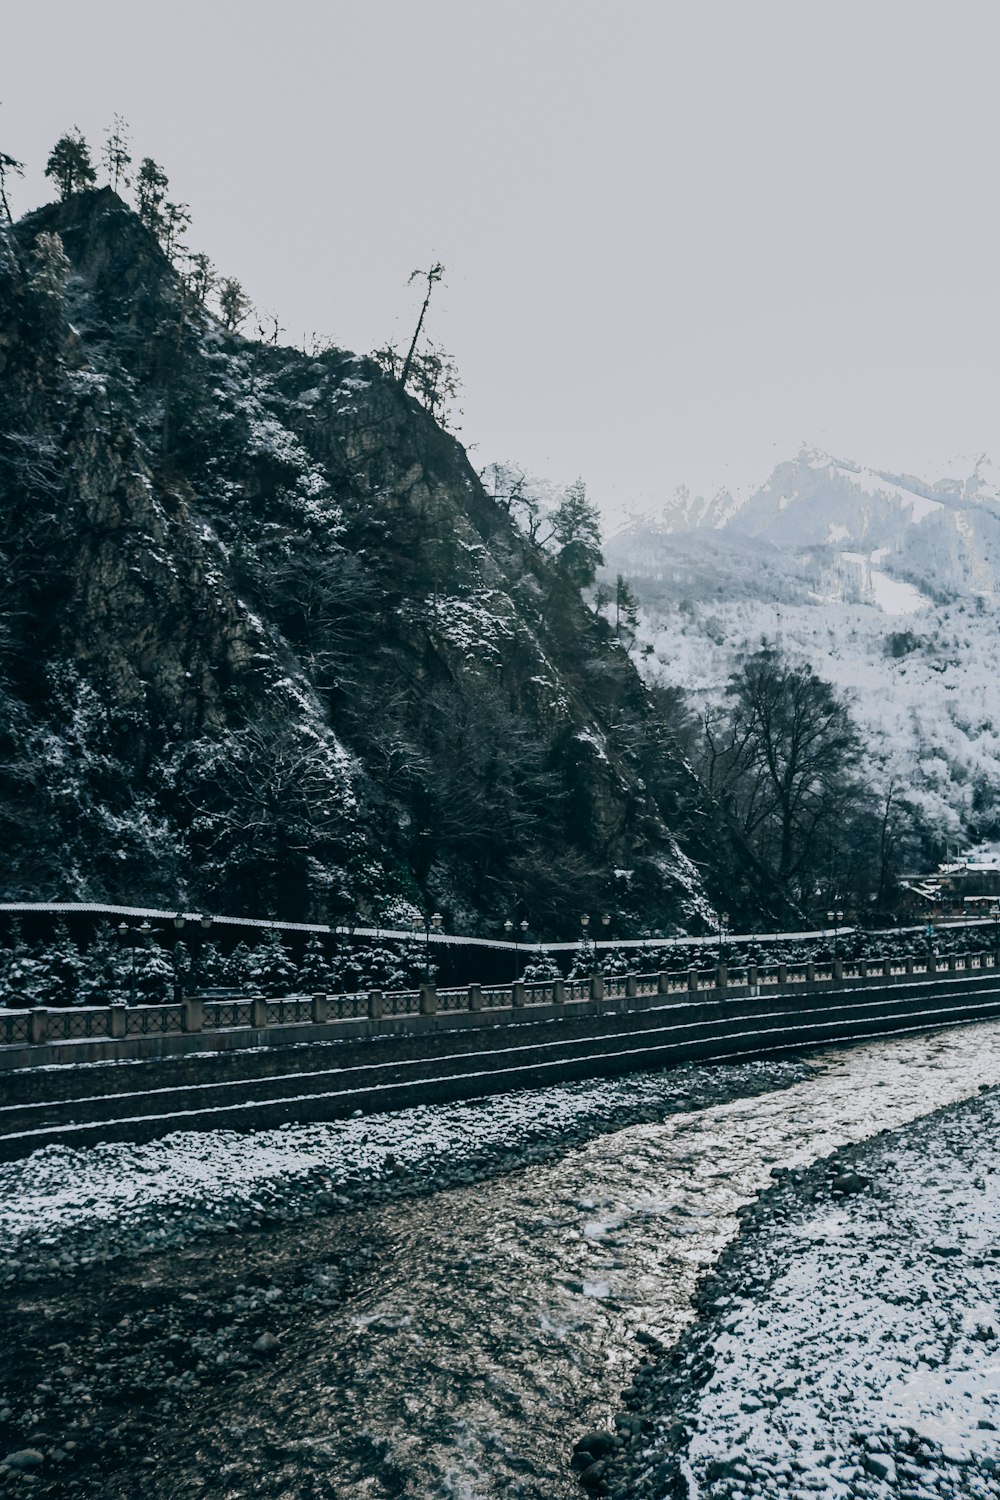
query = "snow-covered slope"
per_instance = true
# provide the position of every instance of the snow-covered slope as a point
(888, 585)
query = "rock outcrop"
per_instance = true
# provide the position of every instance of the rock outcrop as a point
(269, 646)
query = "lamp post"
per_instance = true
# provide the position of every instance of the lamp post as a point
(518, 929)
(723, 929)
(123, 932)
(605, 924)
(436, 921)
(142, 931)
(836, 917)
(200, 926)
(996, 933)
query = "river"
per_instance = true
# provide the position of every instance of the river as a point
(482, 1328)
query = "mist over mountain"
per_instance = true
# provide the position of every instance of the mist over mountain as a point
(886, 584)
(269, 647)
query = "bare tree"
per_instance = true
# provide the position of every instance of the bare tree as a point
(115, 153)
(234, 304)
(782, 759)
(433, 276)
(199, 278)
(175, 220)
(8, 164)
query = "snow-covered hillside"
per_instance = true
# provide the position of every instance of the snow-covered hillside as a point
(889, 586)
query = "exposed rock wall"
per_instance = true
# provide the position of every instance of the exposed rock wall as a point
(269, 646)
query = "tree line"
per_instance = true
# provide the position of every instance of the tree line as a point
(427, 371)
(115, 968)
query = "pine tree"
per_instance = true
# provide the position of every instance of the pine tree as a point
(69, 164)
(576, 534)
(240, 966)
(151, 188)
(50, 266)
(273, 970)
(626, 612)
(314, 970)
(103, 978)
(210, 966)
(21, 974)
(154, 973)
(62, 965)
(116, 155)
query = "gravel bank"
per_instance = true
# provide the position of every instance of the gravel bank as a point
(848, 1343)
(62, 1209)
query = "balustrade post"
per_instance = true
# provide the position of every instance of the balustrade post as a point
(38, 1026)
(952, 964)
(597, 986)
(838, 970)
(887, 968)
(782, 973)
(721, 976)
(692, 981)
(376, 1004)
(631, 987)
(811, 971)
(116, 1021)
(258, 1012)
(862, 968)
(908, 964)
(663, 983)
(752, 979)
(558, 992)
(475, 997)
(932, 963)
(517, 994)
(428, 1000)
(320, 1009)
(192, 1013)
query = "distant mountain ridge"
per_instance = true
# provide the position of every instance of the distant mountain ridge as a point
(861, 525)
(889, 585)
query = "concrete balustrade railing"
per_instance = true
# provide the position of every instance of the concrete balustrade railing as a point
(258, 1013)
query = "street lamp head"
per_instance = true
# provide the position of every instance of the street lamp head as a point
(179, 920)
(508, 927)
(123, 929)
(524, 926)
(144, 927)
(725, 919)
(606, 920)
(585, 920)
(205, 922)
(437, 921)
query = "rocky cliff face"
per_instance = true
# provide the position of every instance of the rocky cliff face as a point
(268, 646)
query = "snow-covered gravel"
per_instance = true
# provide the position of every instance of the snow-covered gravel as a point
(63, 1207)
(850, 1340)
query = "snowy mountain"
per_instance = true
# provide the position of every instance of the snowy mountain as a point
(887, 584)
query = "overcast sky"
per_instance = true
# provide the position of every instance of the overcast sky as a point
(680, 236)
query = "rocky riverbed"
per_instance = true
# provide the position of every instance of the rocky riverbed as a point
(436, 1303)
(848, 1343)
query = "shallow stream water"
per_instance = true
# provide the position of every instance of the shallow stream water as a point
(500, 1320)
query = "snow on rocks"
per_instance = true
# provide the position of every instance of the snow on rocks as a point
(849, 1343)
(63, 1208)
